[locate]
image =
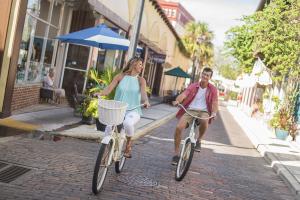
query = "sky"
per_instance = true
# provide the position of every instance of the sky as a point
(220, 14)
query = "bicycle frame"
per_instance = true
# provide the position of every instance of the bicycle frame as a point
(192, 131)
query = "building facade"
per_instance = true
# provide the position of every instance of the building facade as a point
(177, 14)
(34, 49)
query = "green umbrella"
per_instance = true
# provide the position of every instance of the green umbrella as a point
(177, 72)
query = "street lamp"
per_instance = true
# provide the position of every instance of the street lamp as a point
(136, 29)
(199, 40)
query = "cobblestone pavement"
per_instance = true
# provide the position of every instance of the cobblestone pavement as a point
(228, 167)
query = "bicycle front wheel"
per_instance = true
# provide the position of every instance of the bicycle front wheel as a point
(186, 157)
(101, 167)
(121, 162)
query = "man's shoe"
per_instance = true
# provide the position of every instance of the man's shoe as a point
(198, 146)
(175, 160)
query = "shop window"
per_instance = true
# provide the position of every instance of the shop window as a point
(100, 60)
(37, 45)
(173, 13)
(38, 8)
(77, 57)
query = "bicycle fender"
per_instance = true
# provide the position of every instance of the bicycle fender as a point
(106, 139)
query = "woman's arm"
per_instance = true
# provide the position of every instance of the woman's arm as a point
(143, 92)
(111, 86)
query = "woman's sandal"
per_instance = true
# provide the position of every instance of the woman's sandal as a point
(127, 153)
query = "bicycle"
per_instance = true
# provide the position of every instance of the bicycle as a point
(113, 144)
(187, 150)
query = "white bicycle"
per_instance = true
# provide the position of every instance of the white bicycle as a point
(111, 113)
(187, 150)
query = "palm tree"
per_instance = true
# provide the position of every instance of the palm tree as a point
(198, 42)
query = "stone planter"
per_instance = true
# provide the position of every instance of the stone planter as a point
(88, 120)
(281, 134)
(100, 126)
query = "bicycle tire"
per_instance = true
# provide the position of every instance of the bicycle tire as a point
(99, 180)
(185, 161)
(120, 164)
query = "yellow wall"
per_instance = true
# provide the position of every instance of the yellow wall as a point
(154, 29)
(176, 58)
(119, 7)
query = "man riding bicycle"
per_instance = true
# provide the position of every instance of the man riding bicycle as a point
(200, 99)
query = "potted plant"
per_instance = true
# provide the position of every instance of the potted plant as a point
(283, 120)
(148, 91)
(280, 122)
(97, 81)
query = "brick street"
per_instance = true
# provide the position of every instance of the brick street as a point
(228, 167)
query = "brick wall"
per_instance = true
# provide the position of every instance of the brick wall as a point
(24, 96)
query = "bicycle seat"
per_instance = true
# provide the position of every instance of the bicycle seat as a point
(197, 123)
(187, 125)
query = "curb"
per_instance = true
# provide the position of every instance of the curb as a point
(271, 159)
(98, 135)
(142, 132)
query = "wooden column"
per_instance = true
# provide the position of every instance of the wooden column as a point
(4, 19)
(15, 48)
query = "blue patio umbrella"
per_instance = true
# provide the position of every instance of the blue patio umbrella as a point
(99, 36)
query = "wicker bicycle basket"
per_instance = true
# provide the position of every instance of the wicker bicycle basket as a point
(111, 112)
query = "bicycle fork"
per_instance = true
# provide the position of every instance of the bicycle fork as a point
(191, 137)
(106, 140)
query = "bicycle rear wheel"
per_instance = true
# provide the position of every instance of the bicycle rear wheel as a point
(120, 163)
(185, 160)
(101, 167)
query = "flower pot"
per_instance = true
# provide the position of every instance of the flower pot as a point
(281, 134)
(100, 126)
(87, 120)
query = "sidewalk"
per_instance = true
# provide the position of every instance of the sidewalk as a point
(58, 120)
(152, 118)
(283, 156)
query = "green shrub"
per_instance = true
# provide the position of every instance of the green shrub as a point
(233, 95)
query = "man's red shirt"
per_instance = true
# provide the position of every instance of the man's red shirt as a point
(211, 95)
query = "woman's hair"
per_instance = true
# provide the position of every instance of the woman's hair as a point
(131, 62)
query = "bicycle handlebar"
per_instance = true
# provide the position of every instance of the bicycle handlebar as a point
(136, 107)
(180, 105)
(99, 97)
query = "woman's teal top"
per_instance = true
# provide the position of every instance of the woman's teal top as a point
(128, 90)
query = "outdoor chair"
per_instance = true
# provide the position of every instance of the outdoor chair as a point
(77, 97)
(168, 97)
(46, 94)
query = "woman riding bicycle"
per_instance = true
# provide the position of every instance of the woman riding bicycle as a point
(131, 89)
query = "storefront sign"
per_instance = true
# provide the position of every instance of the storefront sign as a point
(156, 57)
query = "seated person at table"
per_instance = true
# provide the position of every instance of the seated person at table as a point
(48, 83)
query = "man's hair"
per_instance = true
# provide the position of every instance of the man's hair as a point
(207, 69)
